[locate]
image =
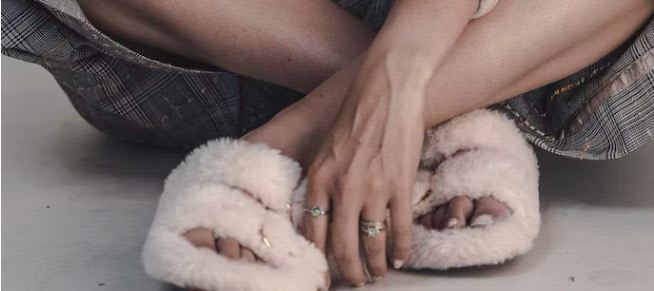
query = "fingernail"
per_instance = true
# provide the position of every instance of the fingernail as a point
(398, 264)
(452, 222)
(483, 220)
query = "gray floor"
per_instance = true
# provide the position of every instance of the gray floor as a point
(76, 206)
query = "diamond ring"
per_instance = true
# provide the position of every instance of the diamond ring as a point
(316, 211)
(371, 228)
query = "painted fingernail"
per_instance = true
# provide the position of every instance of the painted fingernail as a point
(483, 220)
(452, 222)
(397, 264)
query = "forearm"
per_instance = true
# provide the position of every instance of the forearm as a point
(418, 34)
(397, 68)
(432, 28)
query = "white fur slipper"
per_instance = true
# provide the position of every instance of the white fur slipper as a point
(248, 191)
(478, 154)
(238, 190)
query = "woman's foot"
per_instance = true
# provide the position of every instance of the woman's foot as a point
(228, 247)
(458, 213)
(462, 212)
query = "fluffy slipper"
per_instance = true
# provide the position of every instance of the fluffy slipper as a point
(237, 190)
(246, 191)
(478, 154)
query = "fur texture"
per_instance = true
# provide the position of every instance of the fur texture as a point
(478, 154)
(238, 190)
(246, 191)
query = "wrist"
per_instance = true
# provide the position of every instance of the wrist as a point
(400, 72)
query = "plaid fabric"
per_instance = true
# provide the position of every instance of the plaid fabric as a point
(602, 112)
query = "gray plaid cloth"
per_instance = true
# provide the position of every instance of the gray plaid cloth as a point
(604, 111)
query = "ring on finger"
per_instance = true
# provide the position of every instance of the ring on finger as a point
(371, 228)
(316, 211)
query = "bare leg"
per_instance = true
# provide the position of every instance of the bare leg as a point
(297, 44)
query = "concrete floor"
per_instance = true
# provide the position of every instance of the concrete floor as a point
(76, 206)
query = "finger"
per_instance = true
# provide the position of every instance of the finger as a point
(201, 237)
(401, 227)
(247, 255)
(458, 210)
(375, 245)
(314, 228)
(229, 248)
(344, 242)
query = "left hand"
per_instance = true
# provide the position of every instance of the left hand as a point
(366, 165)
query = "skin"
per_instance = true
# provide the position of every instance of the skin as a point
(362, 153)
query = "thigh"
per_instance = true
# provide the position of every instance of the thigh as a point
(297, 44)
(525, 44)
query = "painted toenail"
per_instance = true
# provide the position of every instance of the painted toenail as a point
(398, 264)
(483, 220)
(452, 222)
(377, 278)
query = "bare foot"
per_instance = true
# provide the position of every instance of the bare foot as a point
(228, 247)
(462, 211)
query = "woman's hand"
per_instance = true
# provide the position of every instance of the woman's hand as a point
(367, 165)
(369, 159)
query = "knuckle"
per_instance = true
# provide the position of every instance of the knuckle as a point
(338, 251)
(317, 177)
(380, 187)
(374, 248)
(402, 247)
(344, 183)
(344, 257)
(403, 239)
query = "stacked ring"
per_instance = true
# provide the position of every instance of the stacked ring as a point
(371, 228)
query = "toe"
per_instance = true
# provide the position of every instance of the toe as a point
(247, 255)
(487, 211)
(458, 210)
(201, 237)
(229, 248)
(438, 217)
(426, 221)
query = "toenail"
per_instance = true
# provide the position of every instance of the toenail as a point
(483, 220)
(397, 264)
(452, 222)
